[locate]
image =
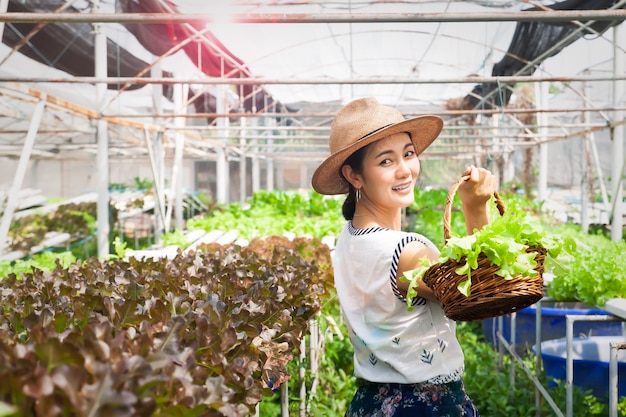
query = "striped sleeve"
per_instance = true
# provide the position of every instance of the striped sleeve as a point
(393, 275)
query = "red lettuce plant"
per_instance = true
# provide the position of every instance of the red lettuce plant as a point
(203, 334)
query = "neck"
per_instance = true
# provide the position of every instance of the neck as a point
(389, 224)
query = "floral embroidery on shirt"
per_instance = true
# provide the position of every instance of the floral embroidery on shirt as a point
(373, 359)
(427, 357)
(442, 344)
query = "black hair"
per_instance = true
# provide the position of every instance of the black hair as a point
(356, 162)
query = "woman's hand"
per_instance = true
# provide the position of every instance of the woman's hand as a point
(478, 188)
(475, 193)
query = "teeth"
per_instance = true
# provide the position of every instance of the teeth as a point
(400, 188)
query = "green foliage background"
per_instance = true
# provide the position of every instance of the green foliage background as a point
(596, 273)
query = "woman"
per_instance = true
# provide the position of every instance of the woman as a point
(407, 363)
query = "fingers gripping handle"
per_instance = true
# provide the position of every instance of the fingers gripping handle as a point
(448, 207)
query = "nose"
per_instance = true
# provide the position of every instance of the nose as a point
(404, 168)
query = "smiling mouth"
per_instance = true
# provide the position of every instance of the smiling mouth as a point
(401, 187)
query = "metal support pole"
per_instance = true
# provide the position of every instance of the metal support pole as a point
(4, 6)
(542, 186)
(177, 176)
(222, 176)
(175, 186)
(613, 377)
(302, 375)
(284, 399)
(160, 182)
(538, 363)
(569, 367)
(530, 375)
(156, 154)
(500, 346)
(584, 170)
(304, 176)
(315, 348)
(617, 162)
(157, 90)
(513, 341)
(552, 16)
(596, 161)
(158, 191)
(100, 71)
(280, 174)
(242, 162)
(29, 142)
(270, 173)
(269, 162)
(569, 361)
(256, 165)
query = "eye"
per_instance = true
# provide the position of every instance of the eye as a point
(385, 161)
(409, 153)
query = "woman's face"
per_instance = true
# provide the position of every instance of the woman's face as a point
(390, 170)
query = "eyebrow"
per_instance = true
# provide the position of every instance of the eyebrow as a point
(408, 145)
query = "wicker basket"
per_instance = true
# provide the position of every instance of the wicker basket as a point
(490, 294)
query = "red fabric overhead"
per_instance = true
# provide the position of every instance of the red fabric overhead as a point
(69, 47)
(205, 50)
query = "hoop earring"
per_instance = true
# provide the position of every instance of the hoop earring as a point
(358, 194)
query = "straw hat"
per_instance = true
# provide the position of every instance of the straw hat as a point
(360, 123)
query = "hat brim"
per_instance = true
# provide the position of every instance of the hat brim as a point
(423, 130)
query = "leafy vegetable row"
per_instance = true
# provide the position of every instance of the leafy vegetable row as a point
(596, 272)
(206, 333)
(276, 213)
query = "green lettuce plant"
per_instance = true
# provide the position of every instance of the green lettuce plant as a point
(596, 272)
(276, 213)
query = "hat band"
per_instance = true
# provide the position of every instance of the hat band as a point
(374, 131)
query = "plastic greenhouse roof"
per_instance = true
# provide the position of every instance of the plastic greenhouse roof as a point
(430, 50)
(420, 65)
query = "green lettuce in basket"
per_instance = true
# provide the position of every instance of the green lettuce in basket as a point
(505, 242)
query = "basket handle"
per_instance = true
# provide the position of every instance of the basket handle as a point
(448, 207)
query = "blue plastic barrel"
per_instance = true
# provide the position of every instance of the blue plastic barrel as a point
(591, 363)
(552, 325)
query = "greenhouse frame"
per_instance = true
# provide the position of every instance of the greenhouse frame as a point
(230, 99)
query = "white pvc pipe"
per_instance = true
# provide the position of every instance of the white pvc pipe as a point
(569, 367)
(20, 172)
(269, 162)
(242, 161)
(569, 364)
(102, 164)
(222, 170)
(158, 191)
(256, 165)
(4, 6)
(320, 18)
(617, 154)
(177, 170)
(596, 162)
(584, 171)
(613, 382)
(538, 356)
(542, 118)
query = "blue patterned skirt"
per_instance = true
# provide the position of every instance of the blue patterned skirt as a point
(411, 400)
